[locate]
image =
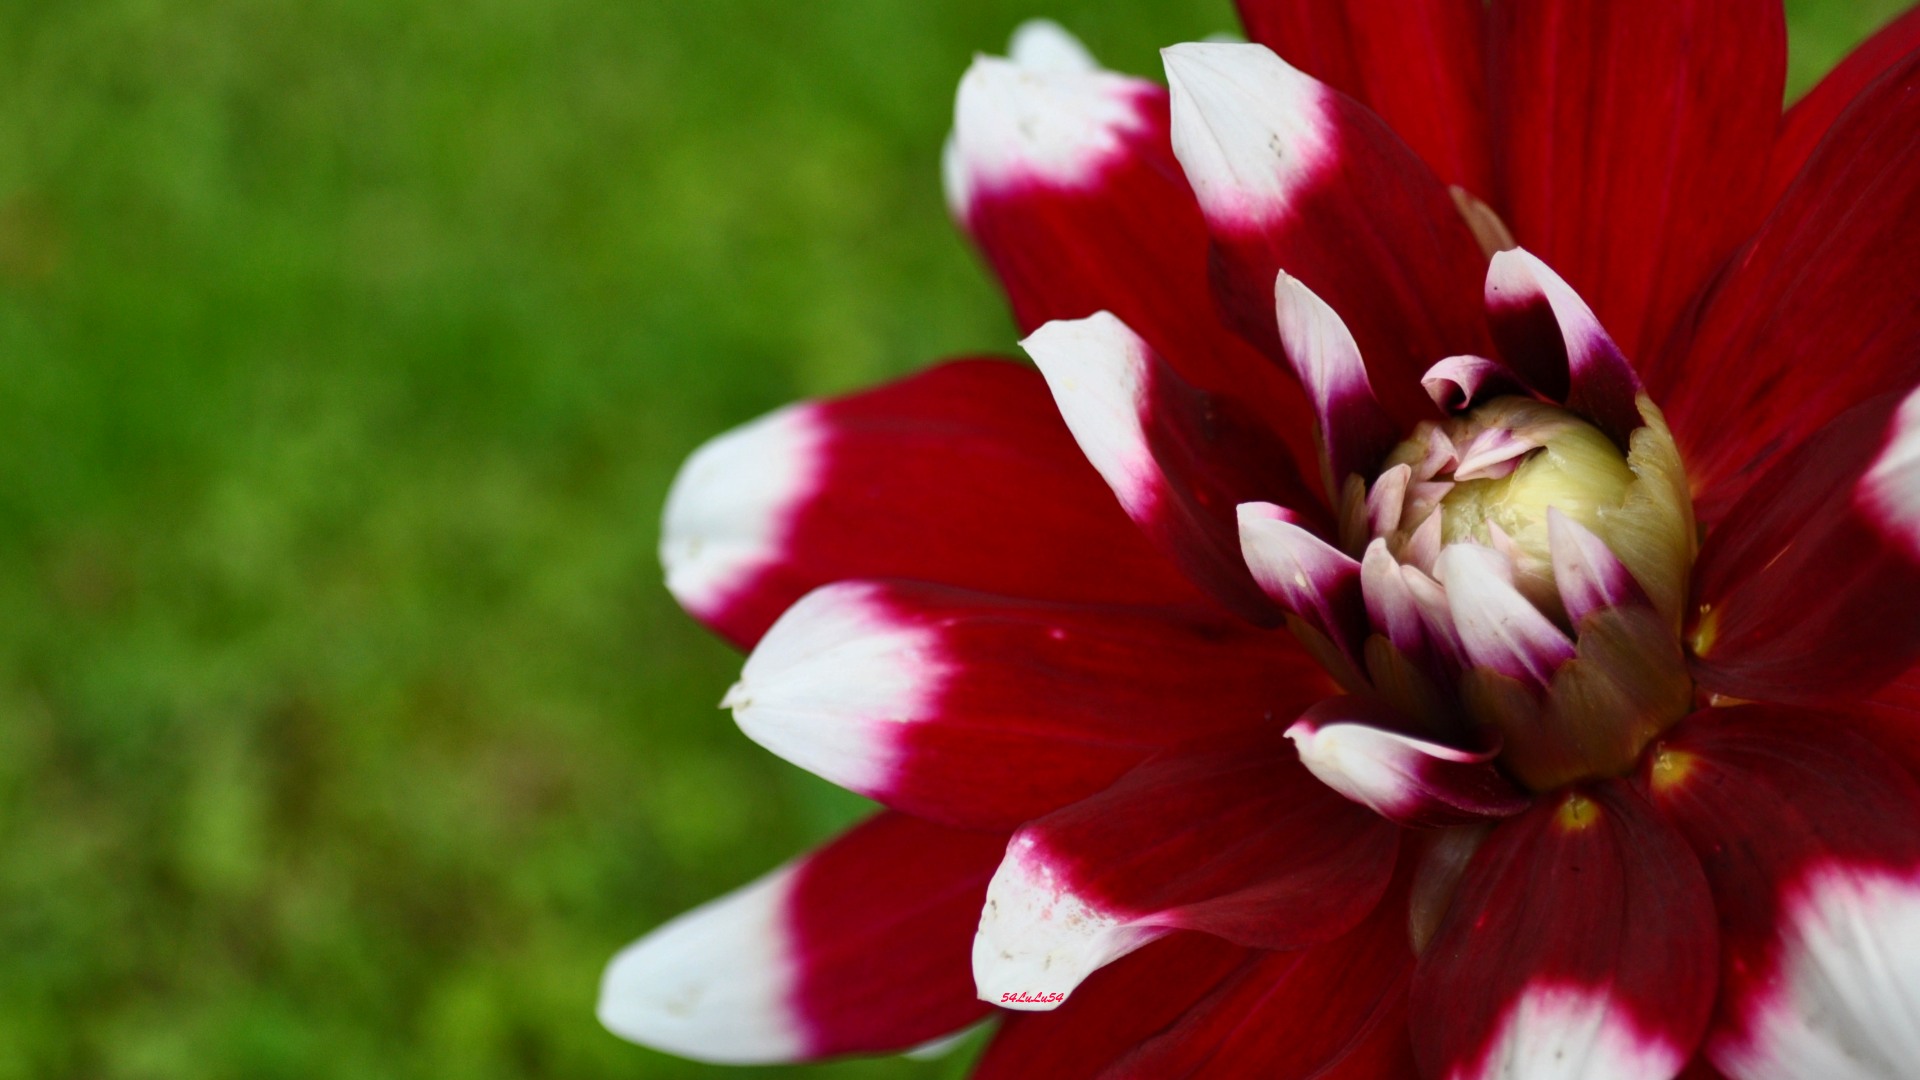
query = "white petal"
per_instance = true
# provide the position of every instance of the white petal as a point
(1045, 45)
(1572, 1033)
(1045, 117)
(1847, 999)
(1037, 939)
(1249, 129)
(1891, 489)
(1097, 370)
(728, 509)
(1498, 627)
(834, 681)
(715, 984)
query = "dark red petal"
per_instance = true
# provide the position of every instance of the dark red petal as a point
(1233, 837)
(1810, 838)
(1293, 175)
(1068, 184)
(982, 711)
(1550, 336)
(1806, 591)
(1582, 932)
(1814, 115)
(1179, 459)
(860, 946)
(1119, 1006)
(1817, 314)
(963, 475)
(1335, 1011)
(1420, 64)
(1630, 139)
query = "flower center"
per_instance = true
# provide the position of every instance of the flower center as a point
(1548, 566)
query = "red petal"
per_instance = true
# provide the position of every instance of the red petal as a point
(1817, 315)
(1581, 933)
(1118, 1006)
(1810, 839)
(1420, 64)
(1067, 182)
(1806, 590)
(1232, 837)
(962, 475)
(1293, 175)
(1179, 459)
(860, 946)
(1813, 116)
(981, 711)
(1336, 1011)
(1629, 142)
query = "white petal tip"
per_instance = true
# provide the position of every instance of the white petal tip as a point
(729, 508)
(713, 985)
(1037, 940)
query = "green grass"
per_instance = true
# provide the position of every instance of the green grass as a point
(346, 351)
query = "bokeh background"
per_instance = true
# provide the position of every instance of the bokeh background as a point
(347, 348)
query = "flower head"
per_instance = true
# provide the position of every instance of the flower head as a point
(1445, 605)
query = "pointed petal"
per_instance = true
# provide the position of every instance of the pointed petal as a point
(1550, 335)
(1355, 432)
(1419, 64)
(982, 712)
(1270, 153)
(1580, 944)
(1304, 574)
(1806, 832)
(1064, 176)
(1589, 575)
(1816, 314)
(1118, 1007)
(1499, 628)
(1336, 1011)
(1178, 459)
(1806, 590)
(784, 969)
(1391, 607)
(963, 474)
(1629, 157)
(1232, 837)
(1346, 743)
(1814, 115)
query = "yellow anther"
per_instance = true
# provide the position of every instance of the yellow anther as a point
(1671, 769)
(1577, 814)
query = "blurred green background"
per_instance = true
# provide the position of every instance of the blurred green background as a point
(346, 351)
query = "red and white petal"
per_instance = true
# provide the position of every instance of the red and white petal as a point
(1628, 156)
(1064, 175)
(1419, 64)
(962, 475)
(858, 947)
(1590, 577)
(1580, 943)
(1291, 174)
(1499, 628)
(1351, 744)
(1355, 432)
(1457, 383)
(1814, 115)
(1552, 338)
(1335, 1011)
(1807, 832)
(1232, 837)
(1116, 1009)
(981, 711)
(1304, 574)
(1806, 590)
(1179, 459)
(1816, 315)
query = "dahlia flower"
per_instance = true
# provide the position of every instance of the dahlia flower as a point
(1445, 603)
